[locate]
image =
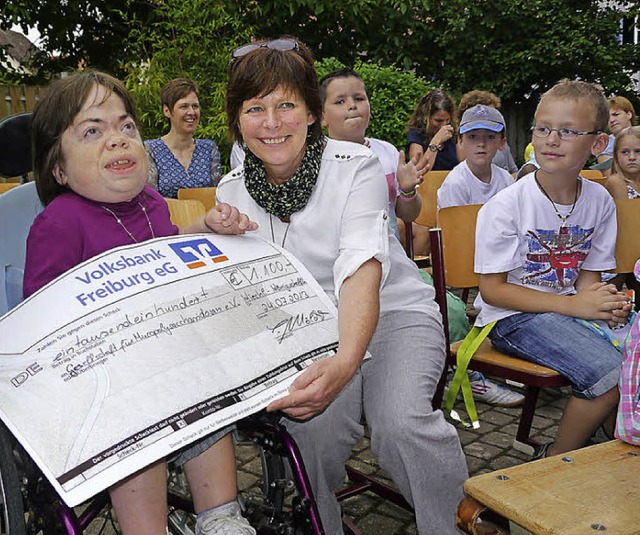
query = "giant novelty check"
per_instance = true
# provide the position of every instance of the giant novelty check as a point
(142, 350)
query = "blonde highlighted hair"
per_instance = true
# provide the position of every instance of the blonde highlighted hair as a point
(584, 93)
(630, 131)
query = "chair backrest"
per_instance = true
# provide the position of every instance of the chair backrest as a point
(18, 208)
(628, 240)
(592, 174)
(458, 227)
(185, 211)
(15, 146)
(428, 190)
(206, 196)
(6, 186)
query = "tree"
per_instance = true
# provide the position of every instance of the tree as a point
(516, 48)
(187, 38)
(80, 32)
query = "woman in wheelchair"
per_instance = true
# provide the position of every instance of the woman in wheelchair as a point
(90, 168)
(325, 201)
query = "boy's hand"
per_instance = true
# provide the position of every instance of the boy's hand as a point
(411, 174)
(226, 219)
(621, 315)
(601, 301)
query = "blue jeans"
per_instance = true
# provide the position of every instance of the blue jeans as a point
(590, 363)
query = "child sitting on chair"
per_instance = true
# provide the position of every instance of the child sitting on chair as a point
(474, 181)
(541, 245)
(90, 168)
(346, 113)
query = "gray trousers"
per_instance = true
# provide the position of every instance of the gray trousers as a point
(412, 442)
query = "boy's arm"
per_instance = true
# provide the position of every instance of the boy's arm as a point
(410, 175)
(594, 300)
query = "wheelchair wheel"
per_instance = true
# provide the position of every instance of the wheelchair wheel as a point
(12, 520)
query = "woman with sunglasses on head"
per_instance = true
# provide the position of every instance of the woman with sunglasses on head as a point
(177, 160)
(325, 201)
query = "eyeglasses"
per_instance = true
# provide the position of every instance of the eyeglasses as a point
(277, 44)
(563, 133)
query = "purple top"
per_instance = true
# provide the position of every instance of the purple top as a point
(72, 229)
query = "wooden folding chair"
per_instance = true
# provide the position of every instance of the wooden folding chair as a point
(206, 196)
(452, 252)
(628, 240)
(6, 186)
(582, 491)
(592, 174)
(185, 211)
(428, 191)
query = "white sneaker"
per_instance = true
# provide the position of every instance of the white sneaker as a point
(225, 519)
(489, 392)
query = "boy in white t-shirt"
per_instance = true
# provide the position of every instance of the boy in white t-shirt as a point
(541, 246)
(476, 179)
(346, 113)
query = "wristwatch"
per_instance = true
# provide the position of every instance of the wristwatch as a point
(434, 148)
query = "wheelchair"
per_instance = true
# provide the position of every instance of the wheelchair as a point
(28, 503)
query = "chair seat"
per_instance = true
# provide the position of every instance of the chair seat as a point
(488, 360)
(582, 491)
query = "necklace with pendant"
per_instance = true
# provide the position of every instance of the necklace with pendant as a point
(273, 238)
(119, 221)
(562, 218)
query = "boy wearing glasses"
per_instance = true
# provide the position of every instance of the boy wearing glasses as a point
(541, 245)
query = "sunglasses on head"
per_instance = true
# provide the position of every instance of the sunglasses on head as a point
(276, 44)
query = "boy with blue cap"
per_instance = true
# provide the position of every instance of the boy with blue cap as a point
(475, 180)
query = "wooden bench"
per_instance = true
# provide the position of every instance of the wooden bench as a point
(584, 491)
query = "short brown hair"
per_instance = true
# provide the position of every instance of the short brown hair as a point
(622, 103)
(345, 72)
(582, 92)
(176, 89)
(470, 99)
(262, 70)
(55, 112)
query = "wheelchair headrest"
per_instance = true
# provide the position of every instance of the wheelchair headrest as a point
(15, 145)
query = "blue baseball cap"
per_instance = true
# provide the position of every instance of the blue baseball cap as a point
(481, 117)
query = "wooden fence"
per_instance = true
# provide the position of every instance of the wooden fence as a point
(18, 98)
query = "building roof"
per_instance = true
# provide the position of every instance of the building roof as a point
(17, 46)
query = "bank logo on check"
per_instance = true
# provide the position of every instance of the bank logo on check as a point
(196, 253)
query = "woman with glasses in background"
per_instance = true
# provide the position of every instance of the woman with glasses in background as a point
(325, 201)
